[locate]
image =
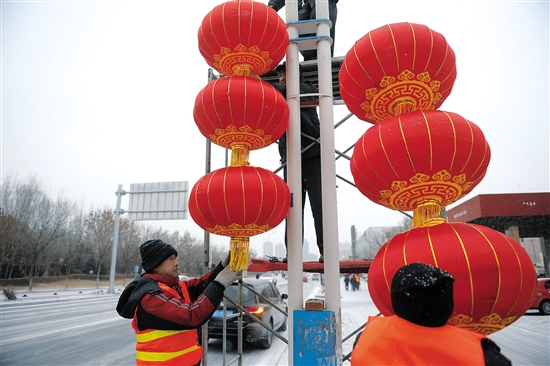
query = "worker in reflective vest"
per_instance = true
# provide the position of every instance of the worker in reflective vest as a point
(166, 311)
(422, 298)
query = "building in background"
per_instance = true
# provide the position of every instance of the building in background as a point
(372, 239)
(268, 248)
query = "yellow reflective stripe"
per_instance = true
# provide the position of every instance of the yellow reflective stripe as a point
(156, 334)
(163, 356)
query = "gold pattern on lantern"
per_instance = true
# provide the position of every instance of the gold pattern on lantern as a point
(441, 187)
(231, 135)
(239, 230)
(242, 61)
(407, 93)
(488, 325)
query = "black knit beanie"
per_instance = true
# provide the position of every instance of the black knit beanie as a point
(154, 252)
(423, 294)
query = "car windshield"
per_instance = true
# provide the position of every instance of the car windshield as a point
(233, 292)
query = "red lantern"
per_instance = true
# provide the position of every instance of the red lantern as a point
(494, 276)
(243, 38)
(418, 158)
(397, 68)
(239, 201)
(241, 110)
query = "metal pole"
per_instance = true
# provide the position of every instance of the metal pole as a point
(119, 193)
(328, 173)
(207, 254)
(294, 178)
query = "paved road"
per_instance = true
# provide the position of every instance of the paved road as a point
(73, 328)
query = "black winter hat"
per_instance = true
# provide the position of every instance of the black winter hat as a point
(423, 294)
(154, 252)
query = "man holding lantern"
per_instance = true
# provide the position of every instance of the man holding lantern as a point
(166, 311)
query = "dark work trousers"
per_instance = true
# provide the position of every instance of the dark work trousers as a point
(311, 183)
(307, 13)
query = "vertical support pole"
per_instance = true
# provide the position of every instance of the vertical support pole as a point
(207, 254)
(294, 177)
(328, 172)
(119, 193)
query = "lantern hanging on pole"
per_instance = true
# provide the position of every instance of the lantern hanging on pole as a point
(241, 113)
(395, 69)
(243, 38)
(239, 202)
(494, 276)
(420, 161)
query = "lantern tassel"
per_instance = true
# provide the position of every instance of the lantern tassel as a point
(427, 213)
(239, 252)
(239, 155)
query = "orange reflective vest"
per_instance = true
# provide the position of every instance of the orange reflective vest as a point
(396, 341)
(167, 347)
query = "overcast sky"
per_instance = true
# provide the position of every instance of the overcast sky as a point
(100, 93)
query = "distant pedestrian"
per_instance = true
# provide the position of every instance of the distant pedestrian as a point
(353, 283)
(166, 311)
(358, 282)
(346, 282)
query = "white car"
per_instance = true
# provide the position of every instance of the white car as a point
(268, 276)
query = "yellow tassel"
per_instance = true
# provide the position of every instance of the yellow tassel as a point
(238, 249)
(239, 155)
(404, 106)
(426, 211)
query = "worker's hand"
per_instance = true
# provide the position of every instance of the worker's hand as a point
(226, 277)
(225, 261)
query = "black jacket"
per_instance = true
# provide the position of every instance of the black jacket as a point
(309, 122)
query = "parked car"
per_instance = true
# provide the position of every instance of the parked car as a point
(541, 299)
(253, 332)
(315, 277)
(270, 277)
(305, 279)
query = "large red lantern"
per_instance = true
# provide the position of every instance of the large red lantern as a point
(494, 276)
(421, 160)
(397, 68)
(243, 38)
(239, 201)
(241, 110)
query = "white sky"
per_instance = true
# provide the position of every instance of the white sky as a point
(100, 93)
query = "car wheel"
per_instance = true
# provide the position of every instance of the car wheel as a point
(266, 342)
(283, 326)
(544, 307)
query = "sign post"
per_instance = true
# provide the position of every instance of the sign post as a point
(149, 201)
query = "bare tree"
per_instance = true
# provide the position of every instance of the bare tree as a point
(40, 220)
(130, 234)
(73, 240)
(99, 231)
